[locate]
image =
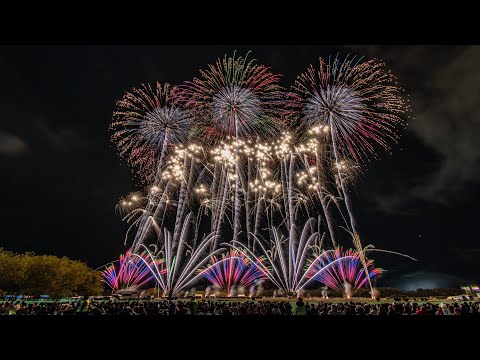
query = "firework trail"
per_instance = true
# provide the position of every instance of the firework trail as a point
(302, 178)
(187, 168)
(233, 269)
(128, 205)
(132, 208)
(183, 182)
(370, 248)
(312, 155)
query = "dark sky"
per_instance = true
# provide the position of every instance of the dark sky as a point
(61, 177)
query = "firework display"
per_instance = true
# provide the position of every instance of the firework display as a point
(232, 155)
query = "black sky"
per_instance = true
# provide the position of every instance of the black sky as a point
(61, 178)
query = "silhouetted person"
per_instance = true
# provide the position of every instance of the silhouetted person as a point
(300, 307)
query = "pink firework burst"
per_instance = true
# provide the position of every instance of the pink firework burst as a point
(233, 269)
(132, 271)
(341, 270)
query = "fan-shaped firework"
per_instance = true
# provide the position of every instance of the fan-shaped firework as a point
(284, 257)
(180, 255)
(342, 270)
(237, 97)
(359, 103)
(146, 122)
(133, 271)
(233, 269)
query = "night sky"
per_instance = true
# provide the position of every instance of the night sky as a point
(61, 177)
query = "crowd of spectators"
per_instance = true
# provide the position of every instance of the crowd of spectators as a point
(219, 307)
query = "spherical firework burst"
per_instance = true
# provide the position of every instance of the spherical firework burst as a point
(146, 122)
(358, 102)
(236, 97)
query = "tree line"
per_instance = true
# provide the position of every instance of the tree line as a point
(31, 274)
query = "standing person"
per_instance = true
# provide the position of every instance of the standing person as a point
(82, 308)
(172, 308)
(193, 306)
(182, 309)
(421, 310)
(300, 307)
(23, 309)
(287, 308)
(312, 310)
(218, 310)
